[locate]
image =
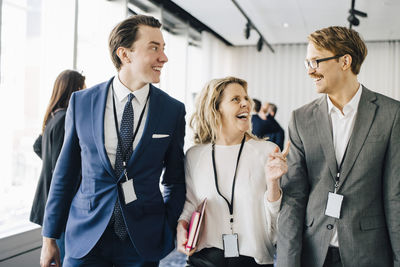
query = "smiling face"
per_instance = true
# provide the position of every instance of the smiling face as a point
(235, 110)
(328, 77)
(146, 56)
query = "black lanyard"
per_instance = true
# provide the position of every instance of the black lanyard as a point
(340, 168)
(125, 153)
(230, 205)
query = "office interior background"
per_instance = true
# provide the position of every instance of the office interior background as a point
(205, 39)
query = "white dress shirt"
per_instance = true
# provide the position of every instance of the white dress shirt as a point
(342, 127)
(254, 217)
(121, 97)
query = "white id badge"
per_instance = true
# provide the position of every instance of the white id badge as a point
(334, 205)
(231, 245)
(129, 191)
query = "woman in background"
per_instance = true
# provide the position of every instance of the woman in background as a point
(238, 174)
(48, 145)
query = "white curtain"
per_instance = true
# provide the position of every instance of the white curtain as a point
(381, 69)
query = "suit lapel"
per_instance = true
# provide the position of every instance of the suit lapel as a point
(324, 129)
(153, 115)
(365, 117)
(99, 100)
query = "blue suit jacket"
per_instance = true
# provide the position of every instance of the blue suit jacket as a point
(151, 219)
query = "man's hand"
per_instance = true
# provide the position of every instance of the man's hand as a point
(181, 237)
(50, 254)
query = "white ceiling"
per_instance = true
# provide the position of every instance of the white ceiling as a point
(302, 17)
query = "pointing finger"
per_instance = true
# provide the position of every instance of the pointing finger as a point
(285, 151)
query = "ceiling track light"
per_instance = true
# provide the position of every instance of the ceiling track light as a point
(247, 30)
(249, 26)
(260, 44)
(352, 19)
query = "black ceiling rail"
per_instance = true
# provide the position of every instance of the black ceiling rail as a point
(259, 44)
(179, 12)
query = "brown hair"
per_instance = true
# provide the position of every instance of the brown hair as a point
(66, 83)
(272, 107)
(206, 121)
(341, 41)
(126, 33)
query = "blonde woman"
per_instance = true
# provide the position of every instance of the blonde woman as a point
(238, 174)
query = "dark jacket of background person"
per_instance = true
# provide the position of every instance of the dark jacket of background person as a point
(47, 147)
(267, 128)
(274, 132)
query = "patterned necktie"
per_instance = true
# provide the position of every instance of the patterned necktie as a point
(124, 148)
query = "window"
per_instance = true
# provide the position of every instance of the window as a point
(36, 45)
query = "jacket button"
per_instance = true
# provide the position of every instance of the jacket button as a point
(329, 226)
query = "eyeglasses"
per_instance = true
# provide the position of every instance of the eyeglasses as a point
(313, 64)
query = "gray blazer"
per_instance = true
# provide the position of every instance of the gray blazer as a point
(369, 226)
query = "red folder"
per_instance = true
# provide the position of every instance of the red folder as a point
(196, 225)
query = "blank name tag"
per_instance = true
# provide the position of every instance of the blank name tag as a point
(231, 245)
(129, 191)
(334, 205)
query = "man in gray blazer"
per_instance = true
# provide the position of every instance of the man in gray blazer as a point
(341, 195)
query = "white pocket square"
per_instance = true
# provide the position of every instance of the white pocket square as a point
(160, 135)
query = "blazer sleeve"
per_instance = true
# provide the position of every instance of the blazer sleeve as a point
(191, 202)
(37, 146)
(57, 139)
(295, 189)
(174, 175)
(391, 187)
(66, 176)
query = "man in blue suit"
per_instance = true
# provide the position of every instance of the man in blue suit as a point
(118, 216)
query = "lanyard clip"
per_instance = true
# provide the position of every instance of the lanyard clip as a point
(231, 222)
(125, 172)
(336, 187)
(337, 182)
(126, 175)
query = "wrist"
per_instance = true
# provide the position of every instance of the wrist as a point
(49, 240)
(274, 193)
(273, 185)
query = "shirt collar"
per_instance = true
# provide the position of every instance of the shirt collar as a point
(350, 106)
(121, 91)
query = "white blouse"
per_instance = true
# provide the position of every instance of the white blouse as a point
(254, 217)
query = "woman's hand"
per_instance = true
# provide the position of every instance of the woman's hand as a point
(275, 167)
(276, 164)
(181, 237)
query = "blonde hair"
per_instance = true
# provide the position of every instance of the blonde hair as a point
(206, 120)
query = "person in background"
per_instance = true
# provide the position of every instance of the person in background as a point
(341, 195)
(48, 145)
(238, 174)
(273, 130)
(258, 119)
(256, 106)
(126, 135)
(264, 125)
